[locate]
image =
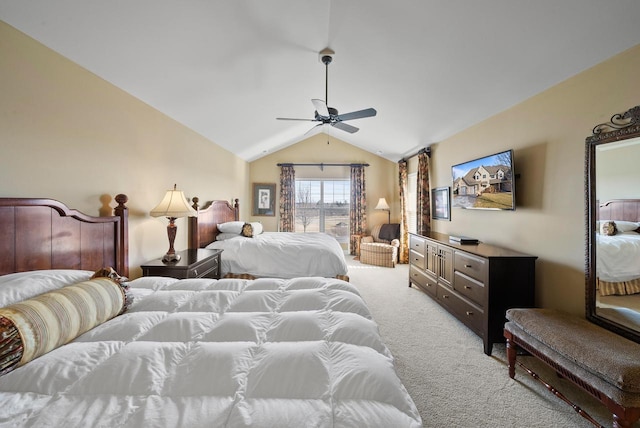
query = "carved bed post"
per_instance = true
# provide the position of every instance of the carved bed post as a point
(194, 240)
(123, 246)
(236, 207)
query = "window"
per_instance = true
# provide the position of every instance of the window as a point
(412, 201)
(323, 206)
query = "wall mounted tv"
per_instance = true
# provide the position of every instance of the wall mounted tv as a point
(485, 183)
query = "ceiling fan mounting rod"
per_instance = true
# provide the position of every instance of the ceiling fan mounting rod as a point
(326, 59)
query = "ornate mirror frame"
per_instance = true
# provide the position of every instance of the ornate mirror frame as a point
(623, 126)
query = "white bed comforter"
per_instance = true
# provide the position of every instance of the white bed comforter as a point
(226, 353)
(618, 257)
(283, 255)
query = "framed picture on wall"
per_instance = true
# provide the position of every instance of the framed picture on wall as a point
(441, 203)
(264, 199)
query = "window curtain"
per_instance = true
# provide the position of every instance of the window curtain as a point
(423, 196)
(403, 257)
(287, 198)
(358, 210)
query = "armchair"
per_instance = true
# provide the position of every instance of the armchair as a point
(378, 249)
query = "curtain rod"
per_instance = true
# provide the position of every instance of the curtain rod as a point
(322, 165)
(426, 150)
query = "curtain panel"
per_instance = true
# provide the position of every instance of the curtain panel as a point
(358, 211)
(287, 198)
(424, 195)
(403, 256)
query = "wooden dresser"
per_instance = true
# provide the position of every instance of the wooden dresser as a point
(475, 283)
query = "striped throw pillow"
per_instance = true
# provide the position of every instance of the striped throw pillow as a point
(35, 326)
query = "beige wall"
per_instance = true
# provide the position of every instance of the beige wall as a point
(69, 135)
(617, 171)
(381, 174)
(547, 133)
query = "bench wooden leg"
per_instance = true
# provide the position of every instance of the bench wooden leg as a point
(629, 417)
(511, 354)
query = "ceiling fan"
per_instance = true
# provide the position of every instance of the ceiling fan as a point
(328, 115)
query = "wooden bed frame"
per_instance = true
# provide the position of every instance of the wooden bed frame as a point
(46, 234)
(620, 209)
(203, 229)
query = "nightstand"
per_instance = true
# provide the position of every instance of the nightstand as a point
(200, 263)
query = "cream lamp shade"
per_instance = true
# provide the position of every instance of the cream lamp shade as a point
(383, 205)
(174, 205)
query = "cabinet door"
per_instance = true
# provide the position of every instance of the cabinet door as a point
(431, 263)
(445, 265)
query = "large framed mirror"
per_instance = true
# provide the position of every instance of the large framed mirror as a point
(612, 187)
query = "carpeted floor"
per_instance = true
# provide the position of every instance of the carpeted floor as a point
(443, 366)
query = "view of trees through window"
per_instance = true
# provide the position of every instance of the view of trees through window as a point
(323, 206)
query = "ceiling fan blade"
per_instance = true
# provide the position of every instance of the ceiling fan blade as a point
(312, 128)
(345, 127)
(357, 114)
(289, 118)
(321, 107)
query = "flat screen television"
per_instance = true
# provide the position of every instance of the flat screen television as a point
(485, 183)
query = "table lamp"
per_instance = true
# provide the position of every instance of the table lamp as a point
(174, 205)
(383, 205)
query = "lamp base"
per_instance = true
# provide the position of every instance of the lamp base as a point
(171, 258)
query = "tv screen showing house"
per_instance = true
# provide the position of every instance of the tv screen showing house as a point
(485, 183)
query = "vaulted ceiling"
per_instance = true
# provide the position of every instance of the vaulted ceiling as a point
(431, 68)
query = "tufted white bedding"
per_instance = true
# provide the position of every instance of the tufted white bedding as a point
(302, 352)
(618, 256)
(283, 255)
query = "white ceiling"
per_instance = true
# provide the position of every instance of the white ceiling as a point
(431, 68)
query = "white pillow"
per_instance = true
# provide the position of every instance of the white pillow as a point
(257, 228)
(225, 236)
(231, 227)
(626, 226)
(623, 226)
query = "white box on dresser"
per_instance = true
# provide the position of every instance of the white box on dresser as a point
(475, 283)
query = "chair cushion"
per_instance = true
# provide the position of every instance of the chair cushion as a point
(377, 247)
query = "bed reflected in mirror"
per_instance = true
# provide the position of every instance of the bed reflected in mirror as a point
(613, 222)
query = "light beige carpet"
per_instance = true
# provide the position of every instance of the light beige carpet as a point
(443, 366)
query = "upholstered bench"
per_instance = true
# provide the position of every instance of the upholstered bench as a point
(602, 363)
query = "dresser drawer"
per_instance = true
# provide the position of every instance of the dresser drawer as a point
(471, 266)
(416, 259)
(416, 244)
(469, 288)
(466, 312)
(422, 280)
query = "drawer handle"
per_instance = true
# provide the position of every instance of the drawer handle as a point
(468, 266)
(445, 296)
(428, 285)
(466, 287)
(195, 272)
(469, 313)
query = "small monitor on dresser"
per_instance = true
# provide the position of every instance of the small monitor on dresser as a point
(463, 240)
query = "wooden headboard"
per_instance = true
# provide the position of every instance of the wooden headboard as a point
(620, 209)
(203, 229)
(46, 234)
